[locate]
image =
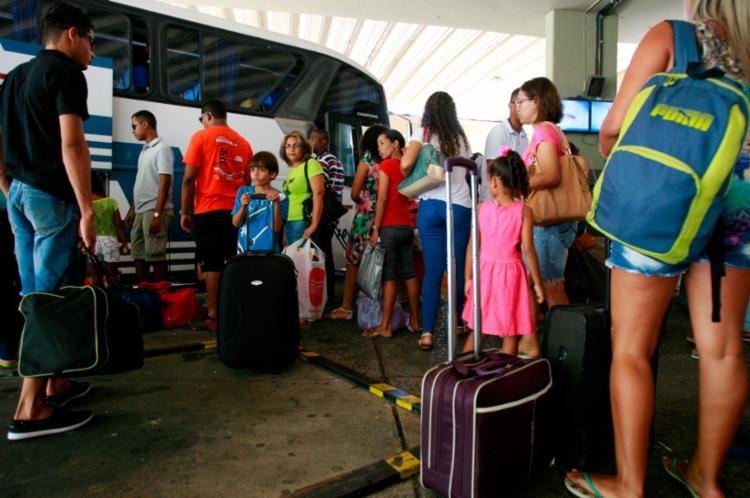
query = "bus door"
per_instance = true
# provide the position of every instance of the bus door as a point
(345, 132)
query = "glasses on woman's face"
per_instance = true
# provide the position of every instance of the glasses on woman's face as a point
(518, 102)
(295, 145)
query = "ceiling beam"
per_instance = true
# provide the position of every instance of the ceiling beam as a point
(397, 57)
(294, 24)
(458, 54)
(324, 30)
(379, 44)
(353, 37)
(262, 19)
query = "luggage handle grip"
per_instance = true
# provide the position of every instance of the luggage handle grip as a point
(451, 162)
(487, 368)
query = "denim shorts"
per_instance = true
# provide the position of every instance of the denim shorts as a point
(625, 258)
(398, 244)
(552, 243)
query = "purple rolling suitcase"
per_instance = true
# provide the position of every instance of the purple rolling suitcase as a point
(486, 419)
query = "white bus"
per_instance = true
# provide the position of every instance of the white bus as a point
(168, 60)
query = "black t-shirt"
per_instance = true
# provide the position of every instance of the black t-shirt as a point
(32, 98)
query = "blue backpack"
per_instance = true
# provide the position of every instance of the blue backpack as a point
(662, 189)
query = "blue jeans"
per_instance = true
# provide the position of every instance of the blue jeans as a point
(293, 230)
(552, 243)
(432, 233)
(46, 230)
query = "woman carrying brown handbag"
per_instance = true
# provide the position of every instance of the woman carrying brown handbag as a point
(538, 104)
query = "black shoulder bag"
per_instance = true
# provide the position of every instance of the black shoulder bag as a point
(332, 207)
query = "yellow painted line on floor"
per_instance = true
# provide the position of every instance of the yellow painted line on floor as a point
(405, 464)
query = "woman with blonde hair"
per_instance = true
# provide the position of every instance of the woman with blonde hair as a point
(642, 289)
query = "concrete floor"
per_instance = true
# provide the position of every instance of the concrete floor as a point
(185, 425)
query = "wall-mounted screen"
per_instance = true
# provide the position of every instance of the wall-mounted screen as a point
(599, 110)
(575, 115)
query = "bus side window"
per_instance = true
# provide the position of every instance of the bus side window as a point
(246, 76)
(19, 20)
(140, 52)
(183, 64)
(112, 31)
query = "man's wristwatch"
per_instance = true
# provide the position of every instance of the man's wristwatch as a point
(156, 214)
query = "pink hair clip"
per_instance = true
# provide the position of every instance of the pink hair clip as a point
(504, 151)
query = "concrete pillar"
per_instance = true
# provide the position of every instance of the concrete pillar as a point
(571, 58)
(571, 51)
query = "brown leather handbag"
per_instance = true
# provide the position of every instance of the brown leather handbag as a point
(571, 198)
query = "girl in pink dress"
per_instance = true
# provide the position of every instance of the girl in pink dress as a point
(505, 231)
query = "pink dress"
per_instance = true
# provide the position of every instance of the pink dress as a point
(504, 286)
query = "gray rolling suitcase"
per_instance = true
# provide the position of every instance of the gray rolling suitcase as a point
(485, 418)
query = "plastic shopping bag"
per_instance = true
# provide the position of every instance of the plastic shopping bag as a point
(370, 312)
(370, 274)
(309, 261)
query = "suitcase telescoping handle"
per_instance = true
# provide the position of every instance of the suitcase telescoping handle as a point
(471, 166)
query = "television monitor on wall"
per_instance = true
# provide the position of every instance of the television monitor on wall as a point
(575, 115)
(599, 110)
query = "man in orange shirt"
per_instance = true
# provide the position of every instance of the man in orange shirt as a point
(215, 164)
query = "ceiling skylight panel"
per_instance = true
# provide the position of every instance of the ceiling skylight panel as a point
(391, 47)
(410, 65)
(450, 58)
(342, 29)
(310, 26)
(246, 16)
(280, 22)
(211, 11)
(367, 39)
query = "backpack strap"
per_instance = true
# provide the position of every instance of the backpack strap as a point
(685, 45)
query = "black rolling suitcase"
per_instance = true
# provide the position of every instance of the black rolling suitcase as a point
(258, 318)
(485, 419)
(577, 343)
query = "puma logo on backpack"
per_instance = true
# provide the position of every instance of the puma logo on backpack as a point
(662, 188)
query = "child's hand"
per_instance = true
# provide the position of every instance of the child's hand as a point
(124, 249)
(272, 196)
(244, 199)
(539, 291)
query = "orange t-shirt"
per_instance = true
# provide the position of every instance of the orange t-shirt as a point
(221, 156)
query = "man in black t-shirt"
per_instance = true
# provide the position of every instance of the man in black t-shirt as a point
(45, 172)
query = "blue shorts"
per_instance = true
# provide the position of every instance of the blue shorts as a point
(552, 243)
(625, 258)
(736, 218)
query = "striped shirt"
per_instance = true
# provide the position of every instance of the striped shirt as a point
(333, 170)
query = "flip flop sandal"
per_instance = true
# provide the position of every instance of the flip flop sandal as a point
(340, 314)
(421, 344)
(374, 332)
(672, 467)
(578, 491)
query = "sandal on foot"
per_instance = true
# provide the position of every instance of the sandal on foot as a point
(417, 330)
(580, 492)
(421, 342)
(374, 332)
(340, 314)
(672, 467)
